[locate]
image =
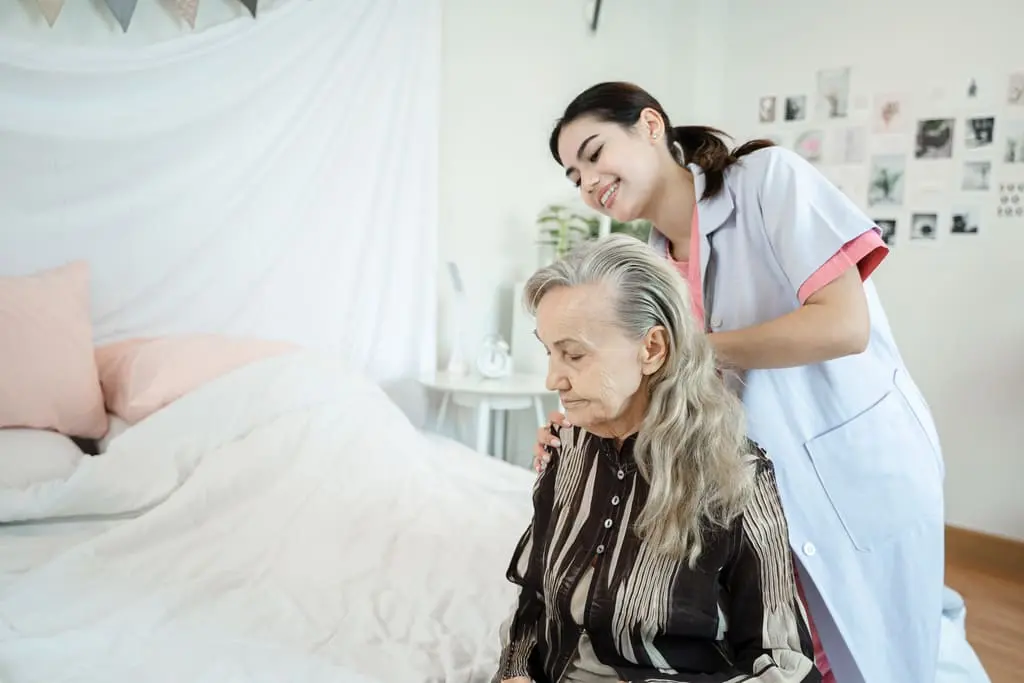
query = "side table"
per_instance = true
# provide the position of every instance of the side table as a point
(488, 397)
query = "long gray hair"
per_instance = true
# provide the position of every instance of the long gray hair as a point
(692, 446)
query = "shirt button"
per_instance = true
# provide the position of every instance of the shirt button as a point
(615, 500)
(620, 474)
(600, 549)
(607, 524)
(809, 549)
(716, 322)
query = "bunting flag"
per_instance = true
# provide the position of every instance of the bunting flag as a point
(251, 6)
(122, 11)
(51, 9)
(188, 9)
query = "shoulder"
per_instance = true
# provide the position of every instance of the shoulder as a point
(770, 165)
(762, 470)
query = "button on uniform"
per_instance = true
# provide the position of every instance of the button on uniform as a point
(600, 549)
(607, 524)
(615, 500)
(809, 549)
(620, 474)
(716, 322)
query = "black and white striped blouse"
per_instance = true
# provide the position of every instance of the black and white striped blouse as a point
(596, 603)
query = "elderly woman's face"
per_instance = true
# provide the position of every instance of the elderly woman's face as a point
(597, 369)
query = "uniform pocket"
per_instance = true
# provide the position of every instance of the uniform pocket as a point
(879, 473)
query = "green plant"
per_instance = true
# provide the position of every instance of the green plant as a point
(562, 228)
(639, 229)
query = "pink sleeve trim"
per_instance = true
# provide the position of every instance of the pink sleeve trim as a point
(866, 251)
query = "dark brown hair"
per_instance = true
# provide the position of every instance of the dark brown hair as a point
(622, 103)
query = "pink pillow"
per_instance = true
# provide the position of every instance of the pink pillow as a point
(48, 377)
(140, 376)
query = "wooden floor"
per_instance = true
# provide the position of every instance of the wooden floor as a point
(995, 619)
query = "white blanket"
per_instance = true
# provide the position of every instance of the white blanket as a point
(285, 523)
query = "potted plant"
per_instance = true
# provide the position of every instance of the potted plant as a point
(562, 228)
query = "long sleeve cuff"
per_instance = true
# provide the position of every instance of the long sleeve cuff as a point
(515, 659)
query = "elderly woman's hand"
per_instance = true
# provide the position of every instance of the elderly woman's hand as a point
(517, 679)
(545, 439)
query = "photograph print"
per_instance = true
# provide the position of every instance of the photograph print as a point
(977, 176)
(965, 221)
(934, 139)
(888, 228)
(796, 108)
(833, 97)
(1013, 143)
(766, 109)
(886, 180)
(924, 226)
(1015, 89)
(979, 132)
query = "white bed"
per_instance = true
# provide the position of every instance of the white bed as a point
(282, 523)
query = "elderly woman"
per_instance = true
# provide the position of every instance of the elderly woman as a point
(658, 548)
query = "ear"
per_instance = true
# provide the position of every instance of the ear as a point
(651, 125)
(655, 350)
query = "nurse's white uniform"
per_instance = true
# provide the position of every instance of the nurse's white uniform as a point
(858, 458)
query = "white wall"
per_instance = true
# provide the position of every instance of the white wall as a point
(509, 69)
(957, 306)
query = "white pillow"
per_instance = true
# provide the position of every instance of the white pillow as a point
(33, 456)
(117, 426)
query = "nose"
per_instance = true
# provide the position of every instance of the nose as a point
(556, 379)
(591, 183)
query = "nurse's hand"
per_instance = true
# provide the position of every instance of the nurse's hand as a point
(546, 439)
(517, 679)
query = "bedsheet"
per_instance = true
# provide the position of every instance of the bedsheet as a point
(284, 522)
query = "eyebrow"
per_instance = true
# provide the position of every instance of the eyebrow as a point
(560, 342)
(579, 154)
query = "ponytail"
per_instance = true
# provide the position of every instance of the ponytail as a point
(703, 145)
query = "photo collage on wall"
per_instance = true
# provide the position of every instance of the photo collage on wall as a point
(922, 164)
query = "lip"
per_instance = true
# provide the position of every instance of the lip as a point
(572, 401)
(611, 200)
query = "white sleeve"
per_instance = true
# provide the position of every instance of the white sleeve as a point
(806, 218)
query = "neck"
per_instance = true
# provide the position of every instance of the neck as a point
(673, 208)
(625, 424)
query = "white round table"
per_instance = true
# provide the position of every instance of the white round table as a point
(488, 396)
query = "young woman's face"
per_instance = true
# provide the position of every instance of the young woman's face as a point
(615, 168)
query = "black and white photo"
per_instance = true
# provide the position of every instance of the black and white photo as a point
(887, 180)
(1013, 142)
(924, 226)
(979, 132)
(833, 97)
(965, 221)
(934, 139)
(977, 176)
(766, 109)
(888, 228)
(796, 108)
(1011, 200)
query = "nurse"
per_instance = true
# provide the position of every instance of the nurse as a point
(777, 260)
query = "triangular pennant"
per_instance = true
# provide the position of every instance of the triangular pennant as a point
(51, 9)
(188, 9)
(251, 6)
(122, 11)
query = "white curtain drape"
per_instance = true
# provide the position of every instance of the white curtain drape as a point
(275, 178)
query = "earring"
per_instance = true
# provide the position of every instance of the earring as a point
(654, 137)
